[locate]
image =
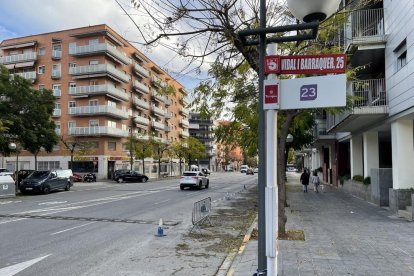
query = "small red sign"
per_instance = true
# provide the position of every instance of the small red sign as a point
(271, 95)
(272, 64)
(306, 64)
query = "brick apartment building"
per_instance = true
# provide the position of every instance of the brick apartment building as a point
(105, 90)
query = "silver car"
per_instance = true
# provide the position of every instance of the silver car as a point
(194, 179)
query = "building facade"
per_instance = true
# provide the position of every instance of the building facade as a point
(375, 138)
(202, 129)
(106, 90)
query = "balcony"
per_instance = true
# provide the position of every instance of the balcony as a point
(93, 70)
(184, 133)
(167, 128)
(184, 101)
(168, 115)
(58, 132)
(156, 81)
(56, 113)
(106, 48)
(57, 92)
(365, 27)
(184, 122)
(98, 110)
(26, 57)
(140, 87)
(141, 120)
(104, 89)
(320, 134)
(158, 111)
(32, 76)
(56, 74)
(184, 112)
(142, 137)
(98, 131)
(56, 54)
(168, 102)
(183, 91)
(369, 106)
(157, 97)
(158, 125)
(141, 104)
(141, 71)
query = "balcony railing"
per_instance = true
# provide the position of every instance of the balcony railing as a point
(56, 54)
(56, 74)
(158, 82)
(141, 87)
(168, 102)
(184, 101)
(56, 113)
(141, 103)
(97, 130)
(99, 68)
(57, 92)
(184, 122)
(168, 115)
(158, 125)
(167, 128)
(184, 133)
(141, 70)
(184, 112)
(141, 120)
(27, 75)
(98, 90)
(99, 48)
(98, 110)
(158, 111)
(365, 26)
(30, 56)
(157, 97)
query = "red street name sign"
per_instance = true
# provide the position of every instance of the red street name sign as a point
(306, 64)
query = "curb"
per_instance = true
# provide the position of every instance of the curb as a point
(227, 268)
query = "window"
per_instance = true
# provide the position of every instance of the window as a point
(93, 62)
(93, 123)
(48, 165)
(41, 69)
(71, 124)
(111, 103)
(111, 145)
(57, 125)
(72, 65)
(111, 124)
(42, 51)
(72, 45)
(124, 127)
(56, 87)
(71, 104)
(57, 105)
(93, 41)
(41, 87)
(401, 55)
(57, 47)
(93, 103)
(93, 82)
(72, 84)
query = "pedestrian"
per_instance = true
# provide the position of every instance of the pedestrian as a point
(315, 181)
(304, 179)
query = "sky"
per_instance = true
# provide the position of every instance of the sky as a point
(28, 17)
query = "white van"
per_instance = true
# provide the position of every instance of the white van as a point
(244, 168)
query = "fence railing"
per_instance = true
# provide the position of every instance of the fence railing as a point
(201, 213)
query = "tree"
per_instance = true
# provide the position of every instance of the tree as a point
(159, 150)
(142, 148)
(206, 31)
(194, 149)
(178, 149)
(28, 114)
(76, 147)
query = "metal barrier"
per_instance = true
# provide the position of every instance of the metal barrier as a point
(201, 213)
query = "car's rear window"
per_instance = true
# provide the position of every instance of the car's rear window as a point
(189, 173)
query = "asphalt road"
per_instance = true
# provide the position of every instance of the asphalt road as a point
(105, 228)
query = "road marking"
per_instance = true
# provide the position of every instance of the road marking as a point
(52, 202)
(162, 201)
(79, 226)
(14, 269)
(10, 201)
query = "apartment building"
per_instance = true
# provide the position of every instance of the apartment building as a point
(202, 129)
(106, 90)
(375, 138)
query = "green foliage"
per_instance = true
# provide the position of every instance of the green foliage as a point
(367, 180)
(344, 178)
(358, 178)
(139, 147)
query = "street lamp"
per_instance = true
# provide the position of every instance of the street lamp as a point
(13, 147)
(311, 12)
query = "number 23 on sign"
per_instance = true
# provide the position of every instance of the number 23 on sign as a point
(308, 92)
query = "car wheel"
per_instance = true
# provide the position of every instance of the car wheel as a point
(200, 185)
(46, 190)
(143, 180)
(181, 187)
(208, 183)
(67, 188)
(120, 180)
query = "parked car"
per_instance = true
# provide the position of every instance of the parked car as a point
(194, 179)
(130, 176)
(206, 171)
(256, 170)
(23, 174)
(4, 171)
(47, 181)
(77, 177)
(243, 168)
(117, 172)
(249, 171)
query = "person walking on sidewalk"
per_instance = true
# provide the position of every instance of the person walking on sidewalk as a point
(315, 181)
(304, 179)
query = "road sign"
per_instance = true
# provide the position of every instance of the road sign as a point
(306, 64)
(271, 94)
(313, 92)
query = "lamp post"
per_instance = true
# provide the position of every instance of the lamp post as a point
(13, 146)
(310, 12)
(289, 140)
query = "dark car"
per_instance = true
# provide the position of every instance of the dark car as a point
(23, 174)
(118, 172)
(249, 171)
(47, 181)
(130, 176)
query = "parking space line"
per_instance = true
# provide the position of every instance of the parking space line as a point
(79, 226)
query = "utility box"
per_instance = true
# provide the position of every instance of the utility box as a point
(7, 186)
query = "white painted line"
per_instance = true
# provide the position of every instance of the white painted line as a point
(79, 226)
(162, 201)
(8, 202)
(52, 202)
(14, 269)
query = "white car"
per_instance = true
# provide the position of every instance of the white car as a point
(244, 168)
(4, 171)
(194, 179)
(256, 170)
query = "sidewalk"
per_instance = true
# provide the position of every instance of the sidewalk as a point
(344, 235)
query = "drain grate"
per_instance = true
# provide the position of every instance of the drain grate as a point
(137, 221)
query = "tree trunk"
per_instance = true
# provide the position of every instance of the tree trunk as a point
(143, 165)
(180, 167)
(35, 156)
(71, 160)
(159, 168)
